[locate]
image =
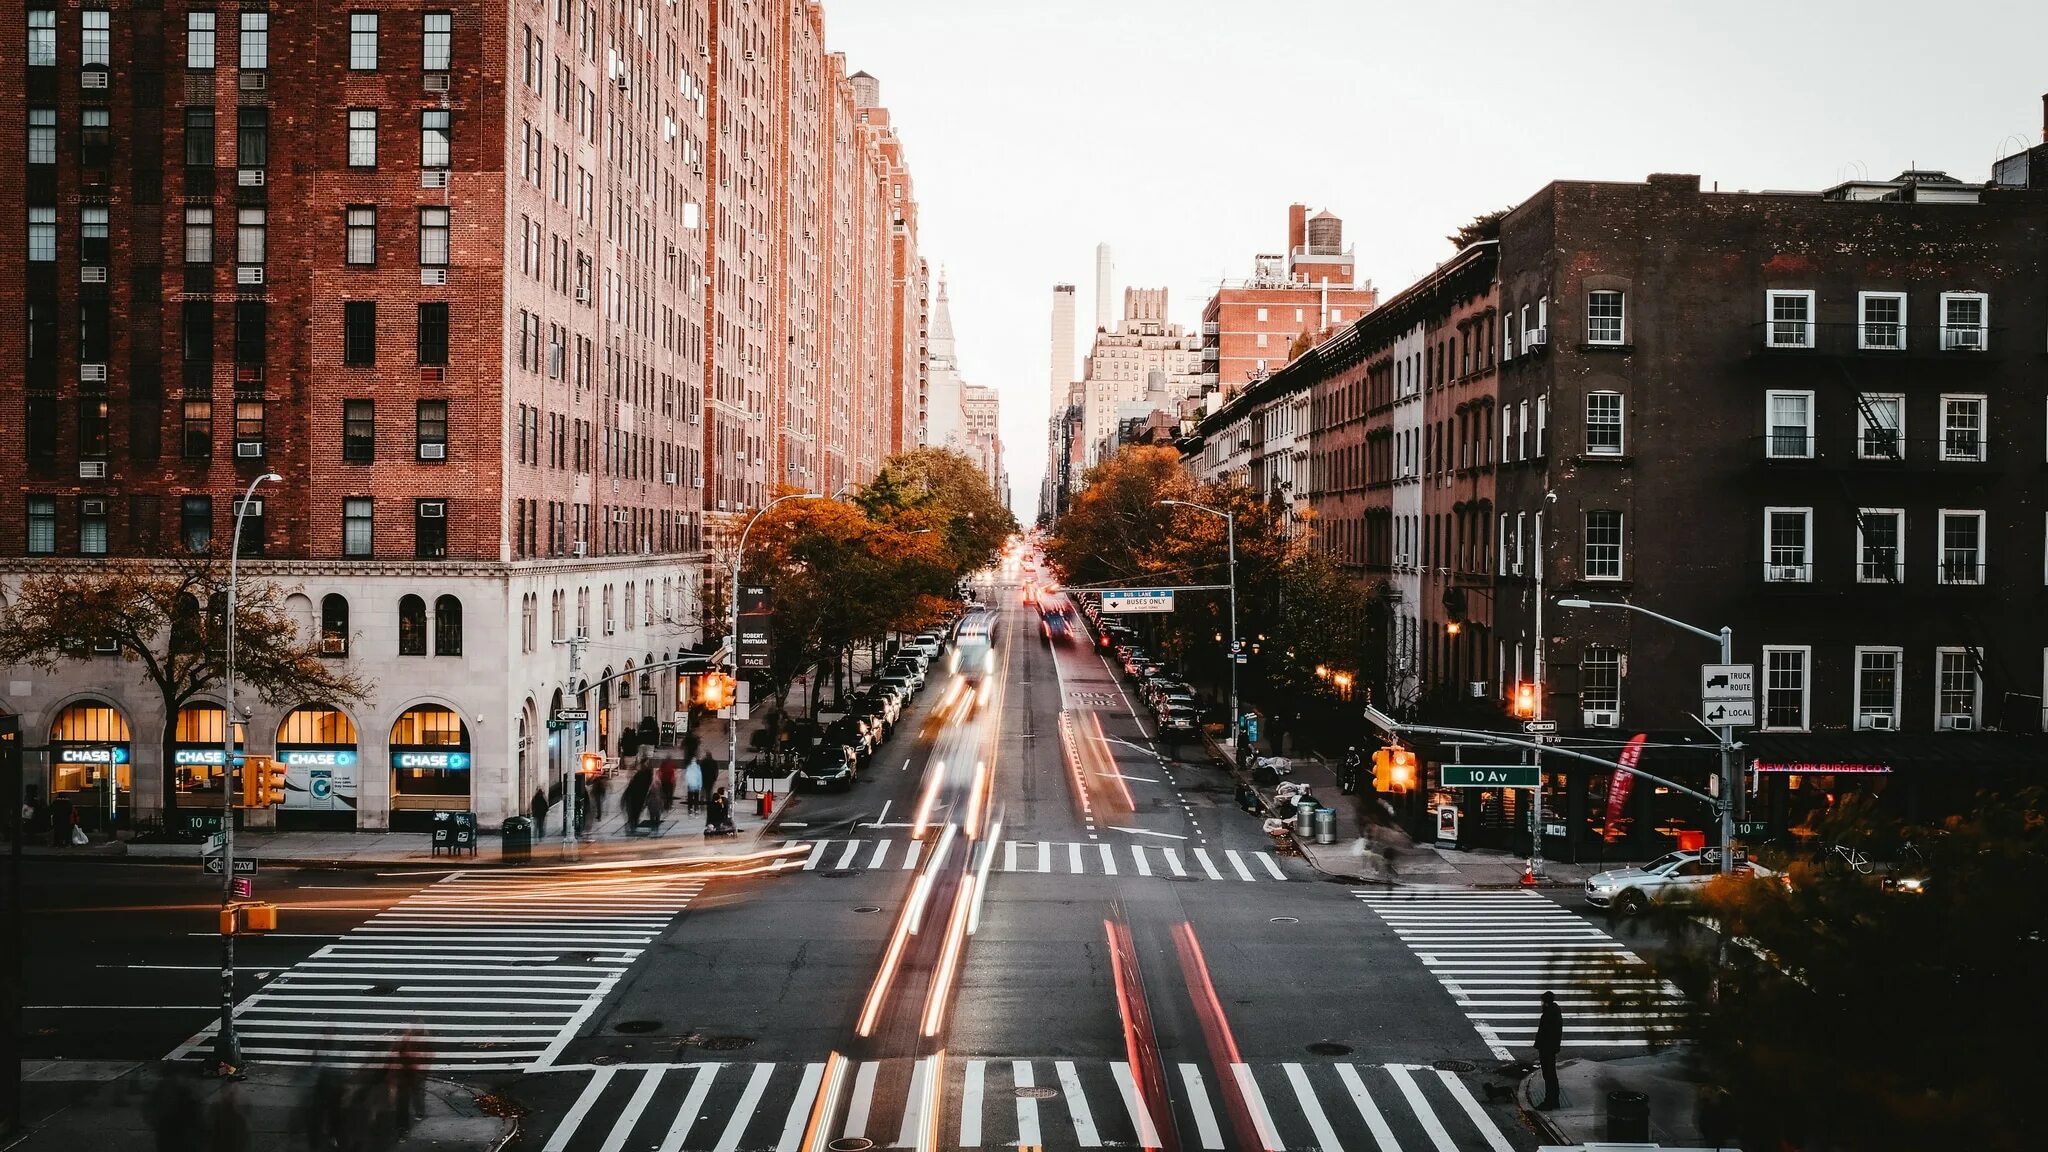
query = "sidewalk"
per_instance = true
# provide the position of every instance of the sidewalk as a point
(111, 1106)
(1582, 1088)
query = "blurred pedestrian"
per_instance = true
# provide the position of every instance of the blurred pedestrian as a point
(230, 1127)
(718, 814)
(599, 785)
(582, 803)
(62, 819)
(409, 1082)
(665, 776)
(174, 1114)
(540, 813)
(32, 811)
(633, 800)
(693, 784)
(1549, 1038)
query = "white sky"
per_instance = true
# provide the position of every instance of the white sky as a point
(1180, 130)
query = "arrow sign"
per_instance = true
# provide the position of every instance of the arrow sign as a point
(244, 866)
(1737, 713)
(1534, 727)
(567, 715)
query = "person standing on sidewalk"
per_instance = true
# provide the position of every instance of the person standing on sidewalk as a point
(693, 784)
(1549, 1038)
(540, 813)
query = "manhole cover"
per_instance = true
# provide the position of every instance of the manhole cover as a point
(636, 1026)
(1037, 1092)
(1330, 1048)
(724, 1043)
(1285, 920)
(851, 1144)
(866, 908)
(604, 1059)
(1452, 1065)
(839, 873)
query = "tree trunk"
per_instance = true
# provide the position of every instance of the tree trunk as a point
(169, 770)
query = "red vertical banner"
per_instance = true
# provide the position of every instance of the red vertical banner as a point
(1624, 779)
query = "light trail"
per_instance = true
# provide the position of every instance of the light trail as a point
(977, 798)
(949, 959)
(818, 1130)
(933, 779)
(995, 837)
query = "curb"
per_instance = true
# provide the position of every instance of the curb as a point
(1525, 1102)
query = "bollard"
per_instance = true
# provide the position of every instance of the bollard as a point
(1326, 825)
(1628, 1116)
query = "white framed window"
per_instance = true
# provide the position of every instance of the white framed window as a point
(42, 44)
(437, 41)
(362, 41)
(1881, 321)
(1262, 316)
(199, 39)
(1790, 319)
(1522, 431)
(1259, 340)
(1962, 547)
(1603, 544)
(255, 43)
(1500, 547)
(1543, 425)
(96, 38)
(1605, 318)
(362, 235)
(42, 235)
(42, 135)
(1877, 687)
(1958, 689)
(1881, 426)
(1965, 321)
(1788, 545)
(1786, 687)
(250, 235)
(1507, 430)
(1788, 418)
(198, 235)
(1962, 427)
(362, 137)
(1880, 545)
(1521, 523)
(1604, 436)
(1600, 680)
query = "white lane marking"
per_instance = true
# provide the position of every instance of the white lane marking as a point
(1366, 1108)
(846, 857)
(1138, 855)
(970, 1105)
(1423, 1112)
(1010, 856)
(649, 1081)
(1266, 858)
(1173, 861)
(1255, 1103)
(574, 1119)
(1108, 860)
(1237, 862)
(1044, 856)
(913, 1109)
(884, 814)
(1198, 1101)
(1074, 859)
(1208, 865)
(863, 1099)
(1312, 1109)
(906, 765)
(911, 851)
(817, 854)
(1077, 1105)
(1150, 832)
(1480, 1119)
(1134, 1103)
(881, 853)
(800, 1108)
(1027, 1108)
(743, 1112)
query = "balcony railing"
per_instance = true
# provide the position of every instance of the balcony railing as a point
(1912, 341)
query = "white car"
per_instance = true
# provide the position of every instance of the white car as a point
(1673, 878)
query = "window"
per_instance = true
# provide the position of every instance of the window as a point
(362, 137)
(39, 421)
(447, 626)
(1600, 680)
(252, 136)
(255, 52)
(1964, 316)
(1788, 545)
(42, 525)
(432, 337)
(42, 135)
(92, 236)
(334, 625)
(1604, 318)
(198, 438)
(249, 420)
(1962, 547)
(249, 235)
(431, 429)
(42, 235)
(195, 523)
(251, 317)
(95, 137)
(1880, 426)
(1603, 545)
(92, 526)
(1880, 542)
(437, 41)
(1962, 428)
(1262, 315)
(198, 235)
(1791, 319)
(1958, 691)
(362, 41)
(42, 38)
(359, 431)
(95, 38)
(1789, 416)
(1877, 688)
(358, 527)
(412, 626)
(248, 527)
(1882, 320)
(359, 332)
(430, 529)
(434, 237)
(362, 235)
(199, 149)
(434, 139)
(1785, 688)
(199, 29)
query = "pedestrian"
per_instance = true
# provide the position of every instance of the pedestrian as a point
(174, 1114)
(230, 1127)
(693, 784)
(718, 814)
(666, 777)
(540, 813)
(32, 811)
(582, 803)
(409, 1084)
(599, 785)
(657, 802)
(633, 801)
(62, 818)
(1549, 1038)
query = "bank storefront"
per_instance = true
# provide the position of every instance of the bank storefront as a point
(317, 746)
(198, 761)
(430, 767)
(92, 763)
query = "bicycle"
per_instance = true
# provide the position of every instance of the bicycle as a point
(1838, 858)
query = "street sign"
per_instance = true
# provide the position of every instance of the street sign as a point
(754, 641)
(1735, 713)
(242, 887)
(214, 843)
(1750, 828)
(1137, 600)
(1727, 681)
(244, 865)
(1488, 775)
(1550, 829)
(572, 715)
(1543, 727)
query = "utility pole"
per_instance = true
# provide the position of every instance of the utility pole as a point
(575, 762)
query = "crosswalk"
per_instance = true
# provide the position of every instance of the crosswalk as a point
(483, 971)
(1498, 952)
(941, 1102)
(1055, 857)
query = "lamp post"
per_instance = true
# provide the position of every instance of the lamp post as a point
(1230, 540)
(227, 1047)
(739, 555)
(1726, 639)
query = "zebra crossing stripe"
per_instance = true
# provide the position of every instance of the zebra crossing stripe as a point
(1045, 857)
(1381, 1134)
(911, 852)
(1420, 1106)
(799, 1108)
(863, 1099)
(640, 927)
(1255, 1101)
(729, 1141)
(1311, 1108)
(1198, 1101)
(970, 1104)
(1487, 1128)
(817, 854)
(1267, 860)
(1077, 1105)
(1027, 1107)
(913, 1109)
(579, 1110)
(1138, 857)
(881, 853)
(846, 857)
(1073, 859)
(1108, 860)
(1134, 1103)
(1208, 865)
(1010, 856)
(679, 1130)
(1237, 862)
(634, 1107)
(1173, 862)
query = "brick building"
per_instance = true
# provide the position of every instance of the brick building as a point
(509, 295)
(1249, 327)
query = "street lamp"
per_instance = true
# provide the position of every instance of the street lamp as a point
(1230, 538)
(739, 554)
(227, 1047)
(1726, 639)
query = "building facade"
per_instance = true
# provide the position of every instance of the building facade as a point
(1120, 366)
(1292, 300)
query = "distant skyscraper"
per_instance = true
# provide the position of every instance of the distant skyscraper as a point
(1062, 373)
(1105, 306)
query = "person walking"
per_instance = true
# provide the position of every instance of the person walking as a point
(540, 813)
(633, 801)
(1549, 1038)
(693, 784)
(582, 792)
(599, 785)
(665, 777)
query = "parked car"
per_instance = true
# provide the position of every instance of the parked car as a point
(828, 765)
(1176, 698)
(1182, 719)
(910, 670)
(861, 733)
(1675, 878)
(899, 683)
(880, 705)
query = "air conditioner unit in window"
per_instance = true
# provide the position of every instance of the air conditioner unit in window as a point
(92, 274)
(1535, 338)
(1959, 723)
(92, 507)
(430, 374)
(253, 81)
(248, 449)
(1788, 573)
(697, 482)
(1476, 689)
(1966, 339)
(581, 549)
(250, 177)
(334, 645)
(433, 177)
(668, 477)
(434, 451)
(105, 647)
(92, 469)
(92, 79)
(433, 510)
(433, 276)
(248, 373)
(618, 515)
(437, 81)
(582, 294)
(249, 274)
(1602, 718)
(1880, 722)
(92, 373)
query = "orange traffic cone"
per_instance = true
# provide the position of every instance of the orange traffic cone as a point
(1529, 875)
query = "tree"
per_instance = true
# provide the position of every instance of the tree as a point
(1116, 530)
(1485, 226)
(169, 617)
(943, 491)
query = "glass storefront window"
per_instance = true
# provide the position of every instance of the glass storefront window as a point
(86, 740)
(429, 754)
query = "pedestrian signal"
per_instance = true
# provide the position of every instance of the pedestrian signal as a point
(271, 775)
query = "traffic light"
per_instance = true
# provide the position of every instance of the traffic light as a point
(271, 776)
(716, 691)
(248, 776)
(1393, 770)
(593, 763)
(1525, 699)
(1404, 770)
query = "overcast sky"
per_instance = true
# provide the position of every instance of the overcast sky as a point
(1179, 130)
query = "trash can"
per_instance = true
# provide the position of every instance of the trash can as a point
(1304, 820)
(1628, 1116)
(1326, 825)
(516, 838)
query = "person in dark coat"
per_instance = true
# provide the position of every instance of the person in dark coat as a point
(599, 785)
(634, 798)
(582, 803)
(540, 813)
(62, 817)
(1549, 1038)
(718, 813)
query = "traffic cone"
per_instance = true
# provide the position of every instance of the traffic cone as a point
(1529, 875)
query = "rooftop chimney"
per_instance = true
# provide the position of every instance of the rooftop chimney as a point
(2044, 117)
(1297, 227)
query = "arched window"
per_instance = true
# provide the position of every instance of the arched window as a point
(334, 625)
(412, 626)
(447, 626)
